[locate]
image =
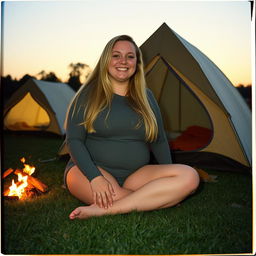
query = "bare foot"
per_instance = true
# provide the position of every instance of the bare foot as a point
(85, 212)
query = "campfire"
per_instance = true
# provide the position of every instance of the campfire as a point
(26, 186)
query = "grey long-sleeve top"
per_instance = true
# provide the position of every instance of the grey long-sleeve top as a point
(116, 146)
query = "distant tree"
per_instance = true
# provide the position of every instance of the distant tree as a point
(9, 86)
(246, 93)
(74, 82)
(41, 74)
(76, 71)
(51, 77)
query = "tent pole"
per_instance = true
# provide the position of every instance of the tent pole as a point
(179, 106)
(162, 88)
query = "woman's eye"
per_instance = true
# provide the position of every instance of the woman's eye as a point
(118, 56)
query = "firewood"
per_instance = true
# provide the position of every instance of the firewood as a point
(34, 181)
(7, 172)
(30, 186)
(33, 192)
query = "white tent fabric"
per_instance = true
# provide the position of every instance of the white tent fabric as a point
(38, 105)
(174, 67)
(229, 96)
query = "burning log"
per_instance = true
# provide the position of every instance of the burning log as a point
(26, 186)
(7, 172)
(33, 181)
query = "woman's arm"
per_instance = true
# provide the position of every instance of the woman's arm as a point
(75, 138)
(160, 147)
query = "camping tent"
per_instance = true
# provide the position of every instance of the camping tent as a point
(207, 121)
(38, 106)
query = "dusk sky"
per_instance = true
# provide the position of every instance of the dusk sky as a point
(50, 35)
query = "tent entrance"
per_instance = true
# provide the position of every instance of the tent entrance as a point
(187, 122)
(27, 115)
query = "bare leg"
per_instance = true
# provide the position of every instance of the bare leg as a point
(154, 186)
(79, 186)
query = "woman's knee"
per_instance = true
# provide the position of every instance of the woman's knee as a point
(120, 192)
(75, 176)
(78, 185)
(189, 177)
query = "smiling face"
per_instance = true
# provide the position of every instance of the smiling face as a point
(123, 62)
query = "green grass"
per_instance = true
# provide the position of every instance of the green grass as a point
(217, 219)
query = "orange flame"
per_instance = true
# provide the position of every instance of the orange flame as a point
(27, 168)
(18, 190)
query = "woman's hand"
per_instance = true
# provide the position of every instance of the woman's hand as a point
(103, 192)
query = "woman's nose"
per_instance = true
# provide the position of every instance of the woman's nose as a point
(123, 59)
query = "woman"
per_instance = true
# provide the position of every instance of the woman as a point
(112, 124)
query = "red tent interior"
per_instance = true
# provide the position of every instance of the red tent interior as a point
(193, 138)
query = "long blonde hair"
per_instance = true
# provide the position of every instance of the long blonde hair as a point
(100, 93)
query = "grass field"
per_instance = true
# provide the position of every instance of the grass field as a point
(215, 220)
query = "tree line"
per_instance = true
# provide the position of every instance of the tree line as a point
(10, 85)
(78, 71)
(246, 92)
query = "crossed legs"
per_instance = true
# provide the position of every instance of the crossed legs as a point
(149, 188)
(79, 185)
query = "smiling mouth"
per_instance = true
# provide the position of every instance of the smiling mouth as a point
(122, 69)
